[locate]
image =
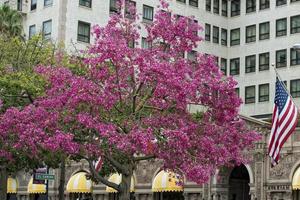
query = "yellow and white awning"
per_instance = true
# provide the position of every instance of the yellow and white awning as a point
(296, 180)
(117, 179)
(167, 182)
(11, 185)
(78, 183)
(35, 188)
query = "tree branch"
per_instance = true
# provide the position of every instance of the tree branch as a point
(100, 178)
(149, 157)
(118, 165)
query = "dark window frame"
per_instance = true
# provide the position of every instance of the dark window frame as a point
(264, 66)
(236, 41)
(113, 7)
(216, 6)
(236, 70)
(224, 41)
(250, 68)
(264, 5)
(207, 32)
(297, 28)
(86, 3)
(80, 36)
(33, 5)
(223, 69)
(208, 5)
(263, 97)
(282, 32)
(251, 8)
(46, 36)
(251, 38)
(295, 93)
(237, 11)
(281, 2)
(149, 7)
(224, 11)
(264, 36)
(249, 99)
(216, 34)
(194, 3)
(281, 63)
(29, 32)
(295, 61)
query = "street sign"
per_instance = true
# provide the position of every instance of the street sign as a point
(44, 176)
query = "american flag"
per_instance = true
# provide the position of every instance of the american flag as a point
(284, 121)
(98, 164)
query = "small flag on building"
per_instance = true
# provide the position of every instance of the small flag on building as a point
(284, 121)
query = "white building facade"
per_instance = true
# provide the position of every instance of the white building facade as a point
(248, 37)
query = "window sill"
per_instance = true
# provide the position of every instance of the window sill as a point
(85, 7)
(264, 9)
(147, 21)
(84, 43)
(48, 6)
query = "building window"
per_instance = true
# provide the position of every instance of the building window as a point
(237, 91)
(294, 1)
(264, 4)
(280, 2)
(250, 63)
(128, 4)
(208, 5)
(48, 2)
(281, 27)
(235, 66)
(250, 6)
(223, 66)
(207, 32)
(84, 32)
(295, 88)
(295, 57)
(192, 55)
(193, 3)
(264, 31)
(86, 3)
(32, 31)
(235, 37)
(216, 6)
(20, 5)
(113, 7)
(224, 37)
(235, 7)
(264, 61)
(47, 29)
(215, 34)
(224, 8)
(250, 33)
(281, 58)
(182, 1)
(147, 13)
(250, 94)
(295, 24)
(263, 92)
(33, 4)
(146, 44)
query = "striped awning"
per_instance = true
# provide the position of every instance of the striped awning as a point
(11, 185)
(78, 183)
(117, 179)
(296, 180)
(167, 182)
(35, 188)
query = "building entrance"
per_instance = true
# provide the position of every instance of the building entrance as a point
(239, 184)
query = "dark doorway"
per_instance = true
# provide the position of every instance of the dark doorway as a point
(11, 196)
(239, 184)
(168, 196)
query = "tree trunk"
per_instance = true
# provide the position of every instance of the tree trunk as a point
(3, 183)
(124, 194)
(62, 180)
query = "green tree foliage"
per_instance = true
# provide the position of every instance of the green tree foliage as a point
(10, 22)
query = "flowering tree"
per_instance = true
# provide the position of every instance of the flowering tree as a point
(131, 104)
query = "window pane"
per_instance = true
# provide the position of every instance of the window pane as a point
(194, 3)
(224, 8)
(48, 2)
(215, 34)
(147, 12)
(281, 27)
(295, 88)
(250, 33)
(250, 94)
(47, 29)
(281, 58)
(263, 92)
(235, 66)
(83, 34)
(295, 24)
(264, 31)
(208, 5)
(235, 37)
(295, 57)
(235, 7)
(264, 4)
(216, 6)
(32, 31)
(224, 66)
(280, 2)
(224, 37)
(86, 3)
(250, 63)
(207, 32)
(264, 61)
(250, 6)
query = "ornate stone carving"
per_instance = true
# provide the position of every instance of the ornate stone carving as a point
(282, 170)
